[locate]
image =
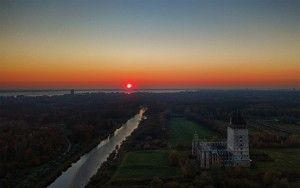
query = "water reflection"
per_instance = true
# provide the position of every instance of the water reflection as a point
(79, 173)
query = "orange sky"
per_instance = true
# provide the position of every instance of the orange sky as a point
(154, 44)
(183, 75)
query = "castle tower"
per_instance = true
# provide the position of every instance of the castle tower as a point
(195, 143)
(238, 141)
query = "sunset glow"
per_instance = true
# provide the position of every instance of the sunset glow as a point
(128, 86)
(158, 44)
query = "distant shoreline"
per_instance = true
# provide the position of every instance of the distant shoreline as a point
(60, 92)
(147, 89)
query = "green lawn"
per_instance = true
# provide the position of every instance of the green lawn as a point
(283, 159)
(182, 131)
(139, 165)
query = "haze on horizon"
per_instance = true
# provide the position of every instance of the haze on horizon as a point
(152, 44)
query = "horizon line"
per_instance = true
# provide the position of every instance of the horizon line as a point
(142, 89)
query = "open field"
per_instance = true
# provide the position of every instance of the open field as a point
(182, 131)
(283, 159)
(272, 126)
(140, 165)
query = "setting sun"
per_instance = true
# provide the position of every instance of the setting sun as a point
(128, 86)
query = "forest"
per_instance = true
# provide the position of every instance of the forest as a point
(41, 136)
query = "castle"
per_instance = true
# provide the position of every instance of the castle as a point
(233, 152)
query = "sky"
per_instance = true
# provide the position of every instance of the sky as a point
(151, 44)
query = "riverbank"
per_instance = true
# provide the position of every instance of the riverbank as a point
(149, 139)
(88, 164)
(68, 163)
(45, 174)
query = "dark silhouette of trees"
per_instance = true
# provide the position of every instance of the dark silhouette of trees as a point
(157, 183)
(174, 158)
(37, 131)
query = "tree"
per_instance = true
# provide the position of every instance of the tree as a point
(203, 180)
(268, 177)
(174, 158)
(189, 168)
(172, 184)
(284, 183)
(157, 183)
(271, 177)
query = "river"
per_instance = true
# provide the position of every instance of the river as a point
(79, 174)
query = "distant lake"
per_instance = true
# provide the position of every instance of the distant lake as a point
(63, 92)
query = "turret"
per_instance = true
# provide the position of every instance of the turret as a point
(195, 143)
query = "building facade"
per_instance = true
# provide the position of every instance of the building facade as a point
(232, 152)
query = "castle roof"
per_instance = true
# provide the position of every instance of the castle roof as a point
(237, 121)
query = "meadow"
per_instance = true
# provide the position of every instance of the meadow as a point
(282, 159)
(139, 165)
(182, 132)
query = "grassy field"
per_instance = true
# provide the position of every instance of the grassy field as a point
(182, 131)
(139, 165)
(283, 159)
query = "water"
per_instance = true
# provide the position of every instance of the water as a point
(63, 92)
(79, 174)
(49, 92)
